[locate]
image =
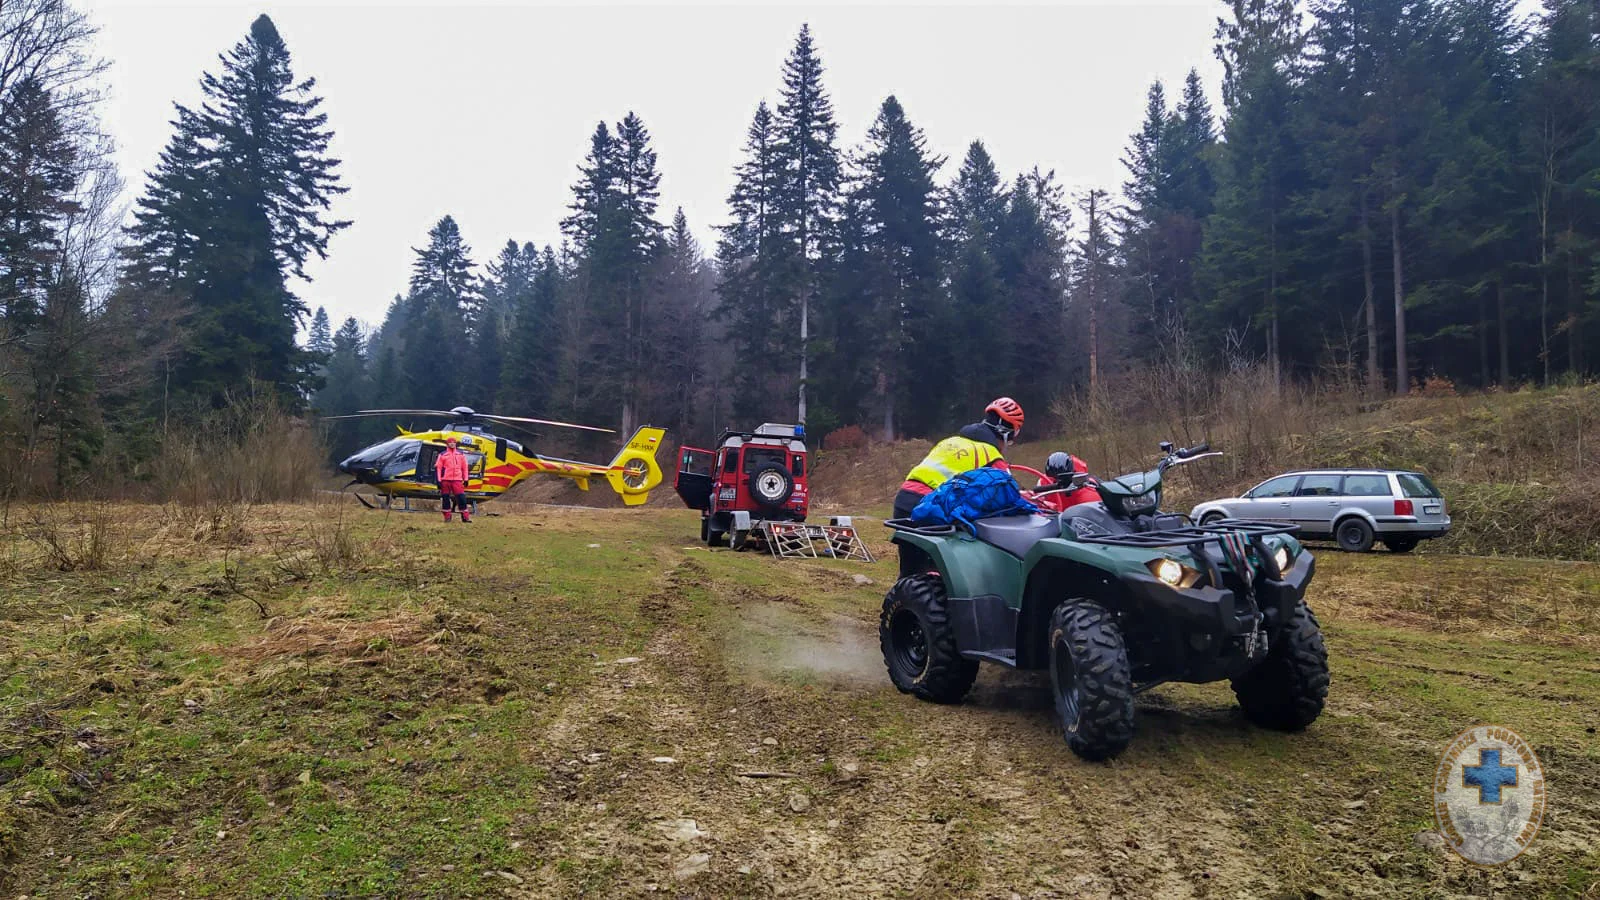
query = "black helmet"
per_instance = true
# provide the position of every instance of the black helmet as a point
(1059, 464)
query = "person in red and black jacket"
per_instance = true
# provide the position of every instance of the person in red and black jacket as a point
(1060, 466)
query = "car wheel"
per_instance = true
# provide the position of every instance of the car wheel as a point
(1400, 545)
(919, 643)
(1354, 535)
(1091, 680)
(1212, 518)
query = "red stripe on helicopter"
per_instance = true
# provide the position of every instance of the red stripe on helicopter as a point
(507, 469)
(497, 480)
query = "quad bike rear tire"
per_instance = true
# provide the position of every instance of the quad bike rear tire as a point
(919, 643)
(1354, 535)
(1401, 545)
(1091, 680)
(1287, 690)
(771, 486)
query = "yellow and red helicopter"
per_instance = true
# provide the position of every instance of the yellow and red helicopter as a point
(403, 466)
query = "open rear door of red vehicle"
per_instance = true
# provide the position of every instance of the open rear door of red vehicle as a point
(694, 481)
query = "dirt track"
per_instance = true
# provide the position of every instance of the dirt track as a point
(889, 796)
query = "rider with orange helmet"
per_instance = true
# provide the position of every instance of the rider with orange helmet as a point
(979, 444)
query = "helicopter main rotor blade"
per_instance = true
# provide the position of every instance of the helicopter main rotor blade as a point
(369, 413)
(545, 422)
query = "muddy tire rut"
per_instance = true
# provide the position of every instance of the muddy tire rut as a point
(791, 792)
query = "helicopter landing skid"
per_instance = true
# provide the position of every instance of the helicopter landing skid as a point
(385, 502)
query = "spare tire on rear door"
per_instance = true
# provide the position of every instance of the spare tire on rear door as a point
(771, 485)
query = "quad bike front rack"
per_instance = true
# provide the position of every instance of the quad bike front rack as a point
(1235, 536)
(798, 540)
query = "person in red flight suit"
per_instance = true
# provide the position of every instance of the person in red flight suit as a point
(451, 468)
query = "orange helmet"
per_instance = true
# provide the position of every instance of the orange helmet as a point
(1005, 414)
(450, 441)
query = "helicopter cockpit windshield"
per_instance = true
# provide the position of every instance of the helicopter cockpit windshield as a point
(393, 458)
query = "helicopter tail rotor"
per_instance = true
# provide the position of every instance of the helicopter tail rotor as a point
(634, 472)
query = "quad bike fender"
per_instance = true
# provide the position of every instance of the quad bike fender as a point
(969, 567)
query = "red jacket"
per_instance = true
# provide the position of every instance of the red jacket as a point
(452, 466)
(1089, 493)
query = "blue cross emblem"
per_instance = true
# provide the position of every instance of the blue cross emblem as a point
(1488, 776)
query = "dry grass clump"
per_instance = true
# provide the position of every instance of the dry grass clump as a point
(86, 536)
(1496, 436)
(1507, 599)
(252, 451)
(331, 634)
(320, 538)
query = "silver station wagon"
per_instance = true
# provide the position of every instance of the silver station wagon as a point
(1354, 507)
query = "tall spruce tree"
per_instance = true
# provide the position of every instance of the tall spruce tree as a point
(38, 174)
(976, 206)
(755, 261)
(507, 280)
(616, 240)
(532, 357)
(1031, 256)
(848, 339)
(681, 300)
(238, 203)
(1247, 253)
(345, 389)
(1144, 224)
(1562, 149)
(320, 339)
(436, 364)
(808, 184)
(899, 205)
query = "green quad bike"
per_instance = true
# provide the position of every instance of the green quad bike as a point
(1113, 598)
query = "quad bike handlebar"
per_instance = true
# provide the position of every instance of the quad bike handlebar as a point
(1185, 455)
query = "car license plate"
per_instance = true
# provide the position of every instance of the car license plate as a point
(1433, 510)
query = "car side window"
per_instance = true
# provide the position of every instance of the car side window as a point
(1319, 486)
(1366, 486)
(730, 461)
(1282, 486)
(799, 466)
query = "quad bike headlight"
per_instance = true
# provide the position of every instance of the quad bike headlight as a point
(1173, 573)
(1283, 559)
(1140, 504)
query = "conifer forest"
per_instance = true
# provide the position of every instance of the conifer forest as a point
(1388, 191)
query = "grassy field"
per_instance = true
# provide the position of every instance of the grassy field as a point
(320, 701)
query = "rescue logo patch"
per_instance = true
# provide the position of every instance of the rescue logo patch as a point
(1489, 795)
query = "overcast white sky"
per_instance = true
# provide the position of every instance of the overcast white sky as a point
(484, 111)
